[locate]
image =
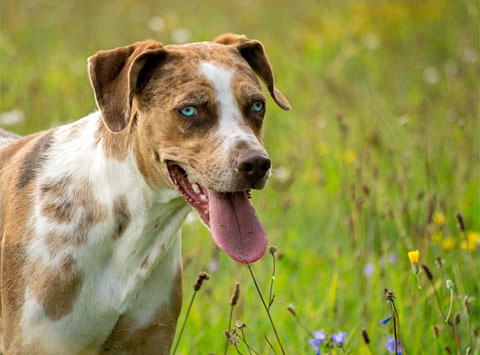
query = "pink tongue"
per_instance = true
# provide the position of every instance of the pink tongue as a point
(235, 226)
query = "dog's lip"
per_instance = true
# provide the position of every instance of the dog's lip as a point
(195, 194)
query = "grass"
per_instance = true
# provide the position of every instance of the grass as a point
(379, 153)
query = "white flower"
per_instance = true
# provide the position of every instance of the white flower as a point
(431, 75)
(181, 35)
(11, 117)
(371, 41)
(156, 24)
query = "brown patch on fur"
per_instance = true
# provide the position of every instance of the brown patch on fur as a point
(34, 159)
(56, 289)
(154, 338)
(114, 145)
(121, 213)
(15, 230)
(64, 198)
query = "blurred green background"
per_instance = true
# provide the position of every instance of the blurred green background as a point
(380, 151)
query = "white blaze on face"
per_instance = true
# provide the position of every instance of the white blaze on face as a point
(230, 116)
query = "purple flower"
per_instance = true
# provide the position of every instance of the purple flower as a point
(339, 338)
(368, 270)
(316, 342)
(385, 320)
(392, 258)
(390, 344)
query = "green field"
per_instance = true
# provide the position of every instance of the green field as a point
(380, 151)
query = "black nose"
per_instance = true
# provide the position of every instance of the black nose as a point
(253, 165)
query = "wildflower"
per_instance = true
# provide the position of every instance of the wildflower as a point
(448, 243)
(449, 284)
(392, 258)
(437, 237)
(439, 218)
(368, 269)
(473, 240)
(349, 156)
(339, 338)
(318, 340)
(413, 256)
(390, 344)
(385, 320)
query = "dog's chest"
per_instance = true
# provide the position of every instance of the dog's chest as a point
(98, 254)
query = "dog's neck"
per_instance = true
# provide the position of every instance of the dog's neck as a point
(143, 222)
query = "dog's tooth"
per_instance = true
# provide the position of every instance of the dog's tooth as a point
(196, 188)
(203, 198)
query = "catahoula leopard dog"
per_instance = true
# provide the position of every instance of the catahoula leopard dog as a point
(91, 211)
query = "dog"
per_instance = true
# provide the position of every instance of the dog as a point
(91, 211)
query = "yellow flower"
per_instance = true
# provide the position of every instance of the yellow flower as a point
(473, 239)
(448, 243)
(322, 148)
(439, 218)
(349, 156)
(413, 256)
(437, 237)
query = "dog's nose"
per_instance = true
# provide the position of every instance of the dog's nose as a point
(253, 165)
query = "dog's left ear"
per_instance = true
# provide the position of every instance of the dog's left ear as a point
(118, 74)
(254, 53)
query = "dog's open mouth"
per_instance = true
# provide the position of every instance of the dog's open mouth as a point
(232, 219)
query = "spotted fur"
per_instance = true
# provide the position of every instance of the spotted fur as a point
(90, 220)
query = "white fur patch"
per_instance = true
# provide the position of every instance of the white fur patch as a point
(230, 115)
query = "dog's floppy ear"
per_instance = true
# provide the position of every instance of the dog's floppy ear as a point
(254, 53)
(117, 74)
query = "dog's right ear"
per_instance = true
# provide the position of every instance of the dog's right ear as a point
(117, 74)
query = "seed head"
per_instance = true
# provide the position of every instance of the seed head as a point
(389, 295)
(427, 272)
(439, 262)
(235, 295)
(200, 278)
(272, 250)
(449, 284)
(436, 332)
(456, 318)
(240, 324)
(447, 349)
(291, 309)
(365, 337)
(460, 223)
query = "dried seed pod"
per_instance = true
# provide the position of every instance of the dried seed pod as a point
(200, 278)
(427, 272)
(460, 223)
(291, 309)
(235, 295)
(365, 337)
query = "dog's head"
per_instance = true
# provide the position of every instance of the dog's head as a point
(196, 112)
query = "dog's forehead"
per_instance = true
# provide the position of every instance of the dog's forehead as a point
(219, 55)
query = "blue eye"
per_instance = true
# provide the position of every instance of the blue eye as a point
(257, 106)
(189, 111)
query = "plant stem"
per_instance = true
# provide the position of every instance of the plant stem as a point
(449, 307)
(267, 309)
(184, 323)
(271, 283)
(229, 326)
(271, 346)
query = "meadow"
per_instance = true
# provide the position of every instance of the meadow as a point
(378, 155)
